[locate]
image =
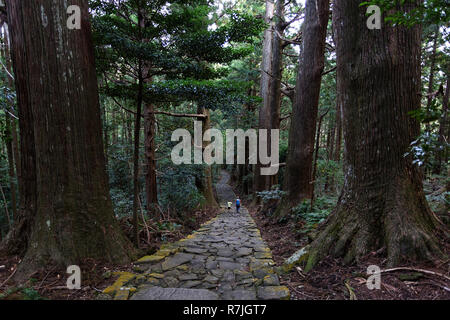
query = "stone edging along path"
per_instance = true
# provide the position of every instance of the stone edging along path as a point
(225, 259)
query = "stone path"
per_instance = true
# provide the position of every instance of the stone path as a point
(225, 259)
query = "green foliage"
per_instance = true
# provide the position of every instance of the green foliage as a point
(178, 190)
(312, 218)
(274, 194)
(179, 43)
(427, 143)
(27, 293)
(439, 201)
(400, 12)
(212, 94)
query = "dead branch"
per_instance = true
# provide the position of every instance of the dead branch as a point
(418, 270)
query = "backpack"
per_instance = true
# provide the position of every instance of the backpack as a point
(238, 202)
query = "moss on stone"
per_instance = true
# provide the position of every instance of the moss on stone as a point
(123, 279)
(150, 259)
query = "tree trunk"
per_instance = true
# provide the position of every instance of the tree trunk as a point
(305, 108)
(65, 202)
(316, 156)
(105, 134)
(150, 159)
(12, 175)
(137, 133)
(267, 74)
(205, 184)
(382, 204)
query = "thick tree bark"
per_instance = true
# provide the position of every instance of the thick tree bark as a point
(305, 108)
(382, 204)
(65, 206)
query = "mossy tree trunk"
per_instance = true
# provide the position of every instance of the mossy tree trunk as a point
(382, 204)
(65, 211)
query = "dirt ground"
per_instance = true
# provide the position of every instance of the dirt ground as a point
(50, 283)
(331, 279)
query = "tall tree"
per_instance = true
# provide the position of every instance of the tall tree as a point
(271, 74)
(305, 107)
(151, 188)
(64, 199)
(261, 182)
(382, 204)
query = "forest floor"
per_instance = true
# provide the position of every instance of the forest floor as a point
(329, 280)
(332, 279)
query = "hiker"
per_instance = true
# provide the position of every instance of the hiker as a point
(238, 204)
(229, 204)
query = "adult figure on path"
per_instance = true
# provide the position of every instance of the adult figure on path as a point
(238, 204)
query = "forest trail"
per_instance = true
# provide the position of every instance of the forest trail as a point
(225, 259)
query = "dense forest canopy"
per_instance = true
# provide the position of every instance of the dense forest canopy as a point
(87, 116)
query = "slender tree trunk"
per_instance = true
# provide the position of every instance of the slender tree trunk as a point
(305, 108)
(150, 174)
(137, 133)
(206, 184)
(382, 204)
(12, 176)
(105, 134)
(15, 148)
(65, 206)
(8, 217)
(316, 156)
